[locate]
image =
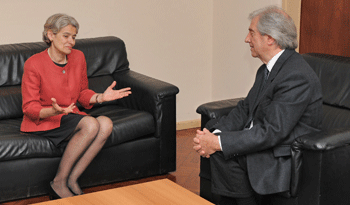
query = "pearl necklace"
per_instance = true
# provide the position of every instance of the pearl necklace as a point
(65, 60)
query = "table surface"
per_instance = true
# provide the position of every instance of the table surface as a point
(162, 192)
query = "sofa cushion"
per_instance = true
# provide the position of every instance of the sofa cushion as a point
(104, 55)
(334, 74)
(12, 58)
(10, 102)
(128, 124)
(335, 117)
(17, 145)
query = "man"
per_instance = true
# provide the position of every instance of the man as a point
(250, 150)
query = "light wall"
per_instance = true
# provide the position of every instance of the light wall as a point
(293, 8)
(197, 45)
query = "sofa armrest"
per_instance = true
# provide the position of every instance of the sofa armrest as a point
(159, 99)
(316, 142)
(321, 141)
(216, 109)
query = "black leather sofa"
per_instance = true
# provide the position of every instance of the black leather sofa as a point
(143, 141)
(320, 161)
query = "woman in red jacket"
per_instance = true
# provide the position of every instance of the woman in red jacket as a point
(53, 81)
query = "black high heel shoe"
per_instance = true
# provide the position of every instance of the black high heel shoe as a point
(75, 194)
(52, 194)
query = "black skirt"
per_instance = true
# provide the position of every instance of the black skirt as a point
(68, 124)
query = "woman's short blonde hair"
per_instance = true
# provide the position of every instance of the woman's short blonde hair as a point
(55, 23)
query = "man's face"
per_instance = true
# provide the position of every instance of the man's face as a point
(257, 42)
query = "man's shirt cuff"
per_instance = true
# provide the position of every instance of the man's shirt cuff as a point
(217, 133)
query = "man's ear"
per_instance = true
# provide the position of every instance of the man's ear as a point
(270, 40)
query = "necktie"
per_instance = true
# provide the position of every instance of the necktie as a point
(266, 76)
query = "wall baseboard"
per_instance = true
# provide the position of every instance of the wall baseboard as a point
(188, 124)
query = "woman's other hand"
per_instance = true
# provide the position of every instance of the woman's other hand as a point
(61, 110)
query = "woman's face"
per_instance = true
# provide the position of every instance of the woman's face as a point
(62, 43)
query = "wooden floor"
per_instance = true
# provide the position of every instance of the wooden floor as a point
(186, 173)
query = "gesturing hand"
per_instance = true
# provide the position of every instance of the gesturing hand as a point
(111, 94)
(61, 110)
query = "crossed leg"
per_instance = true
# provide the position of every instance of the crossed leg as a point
(90, 136)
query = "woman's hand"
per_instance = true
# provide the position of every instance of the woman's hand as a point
(61, 110)
(111, 94)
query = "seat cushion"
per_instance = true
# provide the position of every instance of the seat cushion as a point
(128, 124)
(17, 145)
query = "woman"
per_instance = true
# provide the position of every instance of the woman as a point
(53, 81)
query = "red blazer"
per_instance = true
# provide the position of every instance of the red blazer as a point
(43, 80)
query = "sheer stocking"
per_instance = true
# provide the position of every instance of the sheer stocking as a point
(105, 130)
(81, 149)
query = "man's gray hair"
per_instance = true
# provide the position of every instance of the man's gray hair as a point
(275, 22)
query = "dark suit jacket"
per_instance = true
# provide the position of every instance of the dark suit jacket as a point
(290, 105)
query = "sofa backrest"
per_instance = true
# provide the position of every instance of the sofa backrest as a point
(104, 56)
(334, 74)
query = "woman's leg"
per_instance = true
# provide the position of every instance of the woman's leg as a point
(86, 131)
(105, 129)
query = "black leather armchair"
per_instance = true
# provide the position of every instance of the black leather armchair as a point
(320, 161)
